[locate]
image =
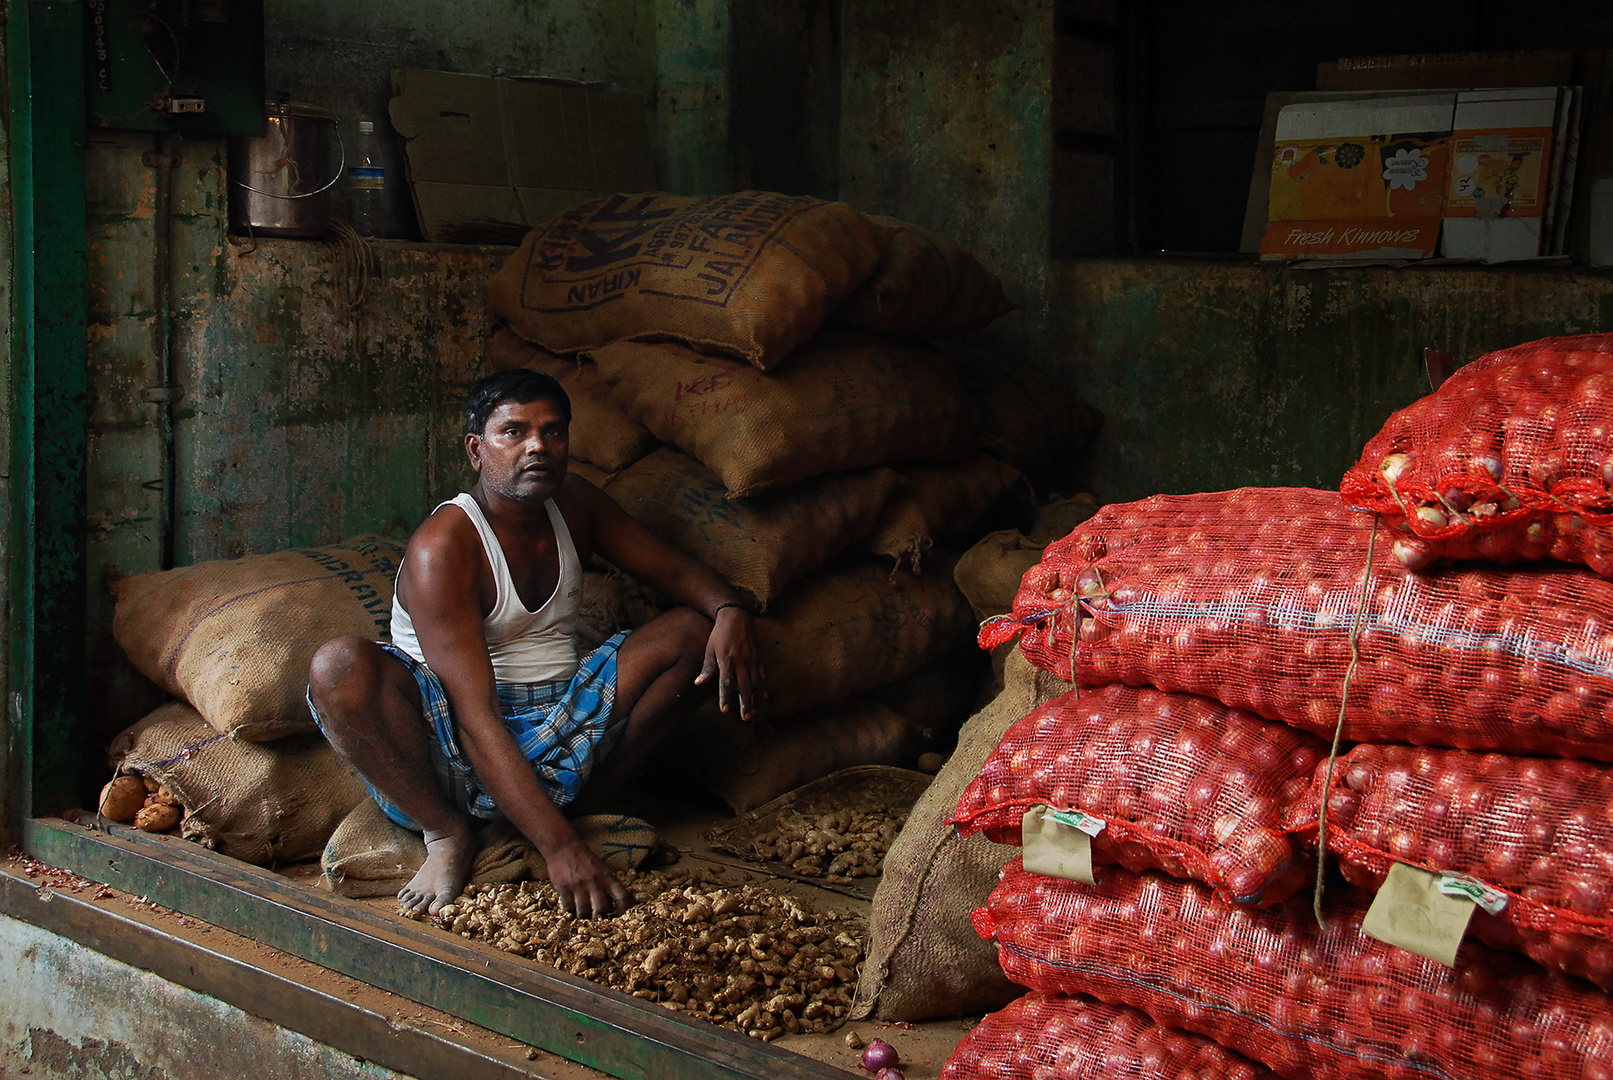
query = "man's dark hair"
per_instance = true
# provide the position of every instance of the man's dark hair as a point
(516, 384)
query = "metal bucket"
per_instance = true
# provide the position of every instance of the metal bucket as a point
(280, 181)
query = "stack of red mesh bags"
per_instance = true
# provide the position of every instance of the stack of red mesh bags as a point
(1468, 680)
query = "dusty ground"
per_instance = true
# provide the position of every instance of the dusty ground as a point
(924, 1047)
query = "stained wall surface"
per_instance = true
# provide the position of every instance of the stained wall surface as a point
(321, 387)
(67, 1012)
(944, 122)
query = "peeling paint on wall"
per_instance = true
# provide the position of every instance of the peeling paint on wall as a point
(69, 1013)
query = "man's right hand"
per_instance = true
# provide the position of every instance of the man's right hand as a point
(585, 888)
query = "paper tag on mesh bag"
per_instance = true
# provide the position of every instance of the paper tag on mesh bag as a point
(1423, 912)
(1058, 843)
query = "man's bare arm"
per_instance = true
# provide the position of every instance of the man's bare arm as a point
(733, 653)
(440, 584)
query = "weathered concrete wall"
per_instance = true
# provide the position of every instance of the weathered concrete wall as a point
(322, 388)
(944, 122)
(694, 50)
(1214, 376)
(784, 124)
(340, 54)
(68, 1013)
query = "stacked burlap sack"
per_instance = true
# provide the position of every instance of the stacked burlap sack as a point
(236, 762)
(754, 377)
(1171, 812)
(231, 641)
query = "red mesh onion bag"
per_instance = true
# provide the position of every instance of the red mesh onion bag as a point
(1182, 783)
(1057, 1037)
(1249, 597)
(1510, 459)
(1306, 1002)
(1538, 829)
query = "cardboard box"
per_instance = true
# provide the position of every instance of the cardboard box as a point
(1358, 177)
(1500, 178)
(491, 158)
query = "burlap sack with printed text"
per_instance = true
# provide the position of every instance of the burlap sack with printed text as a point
(751, 274)
(234, 638)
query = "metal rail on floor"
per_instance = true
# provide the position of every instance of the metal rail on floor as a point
(559, 1013)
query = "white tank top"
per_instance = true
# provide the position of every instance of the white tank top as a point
(525, 646)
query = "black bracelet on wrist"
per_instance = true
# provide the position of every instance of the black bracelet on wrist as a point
(730, 603)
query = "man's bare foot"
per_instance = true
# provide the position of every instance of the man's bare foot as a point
(448, 860)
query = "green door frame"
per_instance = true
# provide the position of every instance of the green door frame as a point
(599, 1027)
(49, 385)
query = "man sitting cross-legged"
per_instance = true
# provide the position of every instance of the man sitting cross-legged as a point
(480, 708)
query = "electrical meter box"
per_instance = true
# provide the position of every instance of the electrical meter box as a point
(189, 66)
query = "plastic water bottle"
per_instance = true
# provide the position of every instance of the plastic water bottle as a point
(366, 184)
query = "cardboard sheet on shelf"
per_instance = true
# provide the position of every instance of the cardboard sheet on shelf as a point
(1358, 176)
(490, 158)
(1500, 176)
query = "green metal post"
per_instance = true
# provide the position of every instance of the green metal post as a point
(45, 50)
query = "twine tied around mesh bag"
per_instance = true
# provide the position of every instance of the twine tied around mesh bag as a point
(1338, 729)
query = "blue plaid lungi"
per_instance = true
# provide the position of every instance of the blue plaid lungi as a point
(562, 728)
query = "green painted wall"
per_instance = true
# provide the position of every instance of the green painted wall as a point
(10, 767)
(944, 122)
(322, 387)
(1219, 375)
(321, 383)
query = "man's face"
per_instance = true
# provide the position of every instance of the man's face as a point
(522, 452)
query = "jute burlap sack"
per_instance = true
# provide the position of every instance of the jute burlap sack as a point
(924, 957)
(941, 501)
(1027, 417)
(761, 544)
(926, 286)
(852, 627)
(601, 433)
(371, 855)
(990, 572)
(846, 401)
(591, 473)
(264, 803)
(611, 601)
(234, 638)
(941, 695)
(748, 764)
(750, 275)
